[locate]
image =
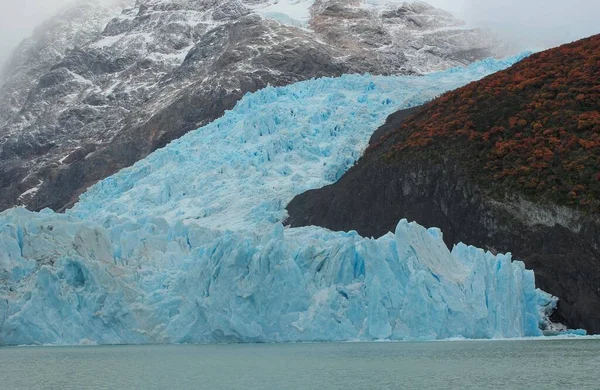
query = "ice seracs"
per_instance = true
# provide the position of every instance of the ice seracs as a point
(68, 281)
(241, 170)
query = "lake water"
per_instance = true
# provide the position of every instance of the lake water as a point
(547, 364)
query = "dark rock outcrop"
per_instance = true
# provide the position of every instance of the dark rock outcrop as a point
(439, 183)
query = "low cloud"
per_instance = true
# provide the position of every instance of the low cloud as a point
(533, 24)
(18, 18)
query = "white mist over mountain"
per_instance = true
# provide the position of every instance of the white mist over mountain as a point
(534, 24)
(19, 18)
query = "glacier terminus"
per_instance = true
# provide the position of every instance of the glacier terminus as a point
(189, 246)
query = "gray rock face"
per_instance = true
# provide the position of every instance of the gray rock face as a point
(75, 27)
(100, 87)
(405, 38)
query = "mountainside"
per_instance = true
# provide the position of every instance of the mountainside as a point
(508, 163)
(187, 245)
(50, 42)
(100, 87)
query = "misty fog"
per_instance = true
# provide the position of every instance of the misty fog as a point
(535, 24)
(18, 18)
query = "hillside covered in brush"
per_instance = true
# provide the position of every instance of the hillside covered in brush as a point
(533, 129)
(508, 163)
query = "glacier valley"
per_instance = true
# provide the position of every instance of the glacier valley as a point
(188, 245)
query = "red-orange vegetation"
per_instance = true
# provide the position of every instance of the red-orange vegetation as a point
(533, 128)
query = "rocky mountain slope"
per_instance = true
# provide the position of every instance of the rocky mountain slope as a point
(101, 86)
(509, 163)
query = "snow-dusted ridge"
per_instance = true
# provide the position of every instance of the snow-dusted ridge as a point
(107, 86)
(150, 267)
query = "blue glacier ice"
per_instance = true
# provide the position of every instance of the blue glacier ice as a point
(188, 245)
(69, 281)
(240, 171)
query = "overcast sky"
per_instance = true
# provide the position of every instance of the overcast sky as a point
(19, 17)
(535, 23)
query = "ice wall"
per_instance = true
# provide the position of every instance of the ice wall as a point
(187, 245)
(68, 281)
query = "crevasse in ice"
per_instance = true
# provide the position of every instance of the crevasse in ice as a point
(187, 245)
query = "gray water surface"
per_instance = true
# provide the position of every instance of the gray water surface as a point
(519, 364)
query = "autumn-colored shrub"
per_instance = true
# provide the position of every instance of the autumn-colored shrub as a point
(533, 128)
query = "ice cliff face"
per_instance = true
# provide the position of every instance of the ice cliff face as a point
(69, 282)
(139, 259)
(100, 87)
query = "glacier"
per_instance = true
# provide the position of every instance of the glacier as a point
(240, 171)
(188, 245)
(68, 281)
